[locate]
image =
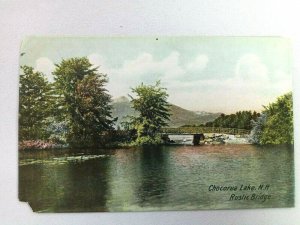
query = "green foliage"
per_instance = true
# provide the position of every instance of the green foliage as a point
(147, 140)
(240, 120)
(34, 104)
(278, 127)
(83, 101)
(151, 103)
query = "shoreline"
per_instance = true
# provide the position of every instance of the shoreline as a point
(212, 139)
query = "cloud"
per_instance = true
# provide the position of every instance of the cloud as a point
(250, 87)
(143, 68)
(97, 60)
(226, 96)
(250, 68)
(252, 75)
(46, 66)
(142, 65)
(198, 64)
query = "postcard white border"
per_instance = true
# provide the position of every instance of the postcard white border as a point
(135, 18)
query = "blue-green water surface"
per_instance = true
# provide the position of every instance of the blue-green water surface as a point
(157, 178)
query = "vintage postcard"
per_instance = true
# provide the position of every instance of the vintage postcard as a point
(155, 123)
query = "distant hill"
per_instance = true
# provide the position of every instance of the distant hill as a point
(121, 109)
(179, 116)
(182, 116)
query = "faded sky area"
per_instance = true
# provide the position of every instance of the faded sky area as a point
(214, 74)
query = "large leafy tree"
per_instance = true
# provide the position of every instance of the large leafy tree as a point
(275, 124)
(278, 127)
(83, 100)
(34, 104)
(151, 103)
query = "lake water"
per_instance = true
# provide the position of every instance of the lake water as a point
(160, 178)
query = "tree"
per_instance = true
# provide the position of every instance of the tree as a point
(278, 127)
(34, 104)
(241, 120)
(83, 100)
(151, 103)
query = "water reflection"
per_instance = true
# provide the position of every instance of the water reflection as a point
(160, 178)
(124, 174)
(72, 186)
(85, 187)
(154, 173)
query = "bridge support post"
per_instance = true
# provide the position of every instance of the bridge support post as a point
(165, 138)
(196, 139)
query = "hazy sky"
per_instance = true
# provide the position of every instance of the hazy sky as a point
(214, 74)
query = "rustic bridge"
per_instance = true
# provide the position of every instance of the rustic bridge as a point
(202, 130)
(198, 132)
